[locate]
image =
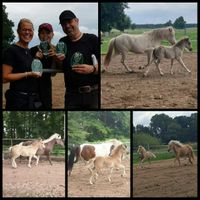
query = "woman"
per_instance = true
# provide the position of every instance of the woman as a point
(17, 59)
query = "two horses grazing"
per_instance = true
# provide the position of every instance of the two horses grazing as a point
(175, 52)
(181, 150)
(29, 151)
(124, 43)
(144, 155)
(87, 152)
(111, 162)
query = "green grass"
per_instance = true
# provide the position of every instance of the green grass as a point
(191, 33)
(160, 155)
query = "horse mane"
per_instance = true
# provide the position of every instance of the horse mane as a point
(54, 136)
(176, 142)
(181, 41)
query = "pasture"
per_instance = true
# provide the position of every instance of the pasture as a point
(43, 180)
(162, 179)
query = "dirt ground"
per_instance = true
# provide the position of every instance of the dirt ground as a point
(58, 91)
(120, 89)
(43, 180)
(79, 186)
(162, 179)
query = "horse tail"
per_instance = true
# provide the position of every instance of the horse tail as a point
(192, 154)
(74, 153)
(109, 53)
(153, 155)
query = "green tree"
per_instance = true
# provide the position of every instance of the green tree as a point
(111, 15)
(179, 23)
(8, 34)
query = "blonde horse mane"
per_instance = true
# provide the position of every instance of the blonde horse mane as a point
(175, 142)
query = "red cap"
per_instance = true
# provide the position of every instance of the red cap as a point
(45, 26)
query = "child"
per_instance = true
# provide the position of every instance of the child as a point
(45, 33)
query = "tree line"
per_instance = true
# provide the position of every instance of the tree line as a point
(32, 124)
(164, 128)
(94, 126)
(113, 16)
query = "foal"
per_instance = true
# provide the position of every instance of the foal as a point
(144, 154)
(174, 52)
(29, 150)
(111, 162)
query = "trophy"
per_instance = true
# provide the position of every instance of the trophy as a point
(61, 48)
(36, 65)
(44, 46)
(77, 59)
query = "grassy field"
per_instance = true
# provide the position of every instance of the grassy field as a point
(161, 153)
(190, 32)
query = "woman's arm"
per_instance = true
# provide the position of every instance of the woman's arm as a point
(8, 76)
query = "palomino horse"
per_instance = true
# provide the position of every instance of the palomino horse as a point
(144, 154)
(47, 149)
(87, 152)
(181, 150)
(174, 52)
(111, 162)
(48, 145)
(124, 43)
(29, 151)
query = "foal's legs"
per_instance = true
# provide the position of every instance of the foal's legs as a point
(14, 164)
(159, 69)
(171, 70)
(182, 63)
(109, 177)
(29, 162)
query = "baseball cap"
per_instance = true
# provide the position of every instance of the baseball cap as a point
(66, 15)
(46, 26)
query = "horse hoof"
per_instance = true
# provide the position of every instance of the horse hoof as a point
(103, 70)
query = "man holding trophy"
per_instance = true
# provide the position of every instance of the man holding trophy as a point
(79, 64)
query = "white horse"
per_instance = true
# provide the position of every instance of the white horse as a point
(175, 52)
(30, 151)
(54, 136)
(124, 43)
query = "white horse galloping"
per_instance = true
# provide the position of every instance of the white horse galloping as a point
(124, 43)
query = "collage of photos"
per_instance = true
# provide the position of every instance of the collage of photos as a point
(99, 100)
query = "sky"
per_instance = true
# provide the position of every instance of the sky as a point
(144, 117)
(155, 13)
(40, 13)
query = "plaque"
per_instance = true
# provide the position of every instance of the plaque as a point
(61, 48)
(77, 59)
(36, 65)
(44, 46)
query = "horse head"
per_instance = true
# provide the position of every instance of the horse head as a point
(170, 35)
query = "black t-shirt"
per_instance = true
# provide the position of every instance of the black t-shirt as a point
(20, 59)
(83, 48)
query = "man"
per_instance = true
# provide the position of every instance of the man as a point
(80, 71)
